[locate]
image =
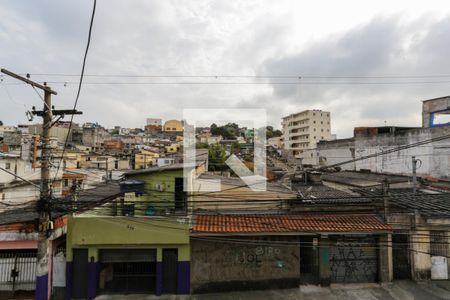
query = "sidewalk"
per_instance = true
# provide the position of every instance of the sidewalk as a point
(398, 290)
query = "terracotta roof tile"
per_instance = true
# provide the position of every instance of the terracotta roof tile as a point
(266, 223)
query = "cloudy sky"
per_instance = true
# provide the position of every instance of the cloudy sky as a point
(367, 62)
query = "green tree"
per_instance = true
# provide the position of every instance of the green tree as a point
(217, 158)
(201, 145)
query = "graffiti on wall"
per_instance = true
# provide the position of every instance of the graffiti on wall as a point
(251, 257)
(353, 262)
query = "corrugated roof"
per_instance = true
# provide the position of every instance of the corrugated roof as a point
(229, 224)
(62, 206)
(362, 179)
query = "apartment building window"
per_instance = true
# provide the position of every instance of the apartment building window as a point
(314, 137)
(321, 122)
(314, 114)
(314, 129)
(8, 166)
(314, 122)
(321, 130)
(322, 137)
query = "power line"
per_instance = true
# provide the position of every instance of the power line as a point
(79, 85)
(65, 83)
(396, 149)
(218, 76)
(21, 178)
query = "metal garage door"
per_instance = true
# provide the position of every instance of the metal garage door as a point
(127, 271)
(353, 259)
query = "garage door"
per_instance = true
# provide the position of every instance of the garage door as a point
(353, 259)
(127, 271)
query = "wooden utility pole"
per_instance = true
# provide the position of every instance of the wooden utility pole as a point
(43, 206)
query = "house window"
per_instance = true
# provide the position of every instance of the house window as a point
(8, 166)
(116, 164)
(438, 244)
(180, 194)
(66, 182)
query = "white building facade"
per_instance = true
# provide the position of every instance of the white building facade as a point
(303, 130)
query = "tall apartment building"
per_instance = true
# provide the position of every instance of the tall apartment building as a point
(302, 130)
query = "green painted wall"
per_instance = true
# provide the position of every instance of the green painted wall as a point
(127, 232)
(95, 230)
(159, 190)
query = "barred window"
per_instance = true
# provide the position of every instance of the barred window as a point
(438, 243)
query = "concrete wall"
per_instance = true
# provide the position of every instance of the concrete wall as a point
(219, 266)
(434, 156)
(19, 167)
(421, 258)
(434, 105)
(333, 152)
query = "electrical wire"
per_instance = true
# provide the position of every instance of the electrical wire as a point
(245, 76)
(79, 83)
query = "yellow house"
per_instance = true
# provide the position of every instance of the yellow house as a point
(173, 148)
(145, 159)
(73, 159)
(173, 126)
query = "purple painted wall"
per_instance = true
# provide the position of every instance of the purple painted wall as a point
(68, 280)
(41, 287)
(92, 280)
(159, 278)
(184, 278)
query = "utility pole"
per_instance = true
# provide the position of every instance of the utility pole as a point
(414, 177)
(106, 168)
(43, 206)
(385, 187)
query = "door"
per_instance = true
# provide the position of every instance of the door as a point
(354, 259)
(80, 273)
(308, 260)
(170, 265)
(400, 256)
(127, 271)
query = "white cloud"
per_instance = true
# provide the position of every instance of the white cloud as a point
(227, 38)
